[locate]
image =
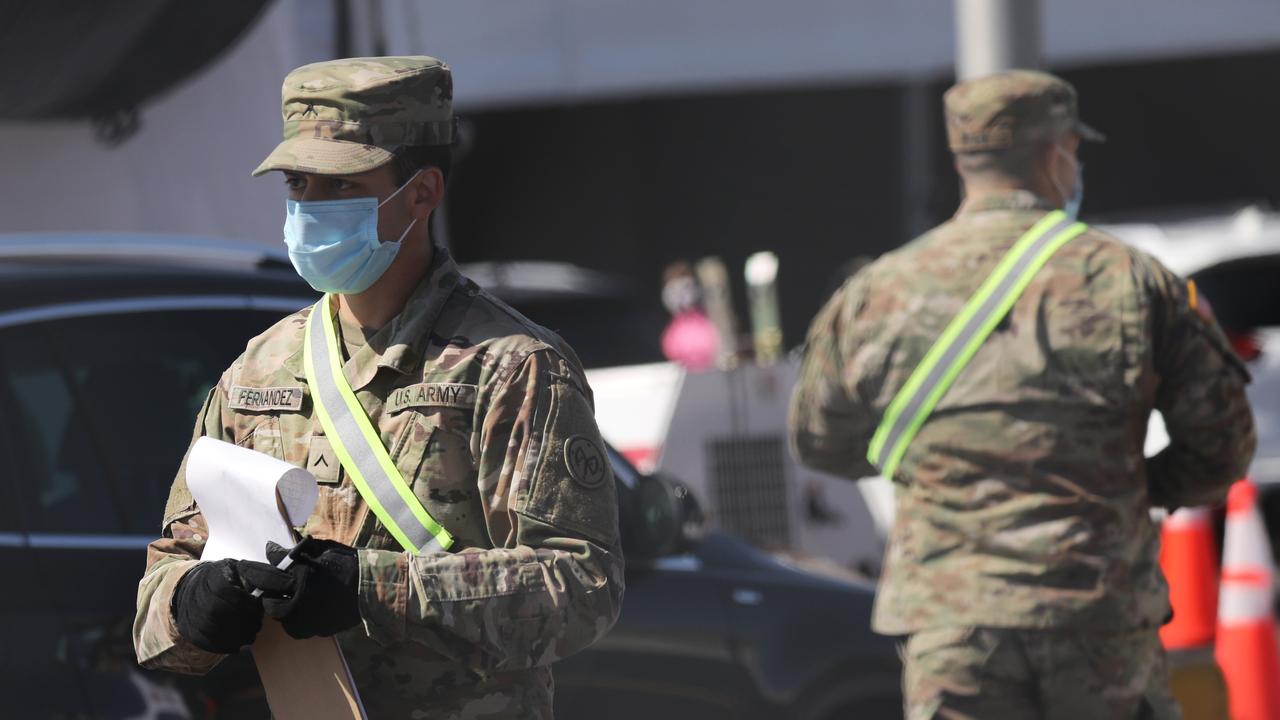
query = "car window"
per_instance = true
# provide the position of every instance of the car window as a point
(109, 404)
(9, 519)
(61, 475)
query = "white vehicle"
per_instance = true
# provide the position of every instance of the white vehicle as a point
(724, 435)
(1235, 262)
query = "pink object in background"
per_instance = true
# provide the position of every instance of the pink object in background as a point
(691, 341)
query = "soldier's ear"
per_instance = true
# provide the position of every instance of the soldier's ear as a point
(1049, 158)
(1048, 172)
(426, 192)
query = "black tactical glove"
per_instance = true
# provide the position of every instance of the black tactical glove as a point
(213, 610)
(317, 595)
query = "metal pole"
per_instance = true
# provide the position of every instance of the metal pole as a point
(996, 35)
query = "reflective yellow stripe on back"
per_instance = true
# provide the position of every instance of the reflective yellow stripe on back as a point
(953, 350)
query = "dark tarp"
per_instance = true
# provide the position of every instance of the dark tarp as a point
(102, 59)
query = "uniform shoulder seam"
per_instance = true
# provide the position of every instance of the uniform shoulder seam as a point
(518, 361)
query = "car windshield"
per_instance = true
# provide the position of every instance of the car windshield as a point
(102, 432)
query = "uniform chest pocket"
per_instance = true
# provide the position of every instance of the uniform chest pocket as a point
(264, 437)
(283, 436)
(437, 463)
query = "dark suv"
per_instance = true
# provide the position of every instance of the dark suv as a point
(107, 348)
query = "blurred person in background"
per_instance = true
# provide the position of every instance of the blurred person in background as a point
(690, 339)
(486, 416)
(1022, 566)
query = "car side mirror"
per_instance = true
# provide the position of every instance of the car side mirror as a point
(655, 529)
(693, 522)
(669, 518)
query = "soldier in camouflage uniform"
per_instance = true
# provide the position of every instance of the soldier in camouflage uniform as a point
(487, 416)
(1023, 562)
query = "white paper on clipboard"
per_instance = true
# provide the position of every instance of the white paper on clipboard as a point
(237, 489)
(245, 498)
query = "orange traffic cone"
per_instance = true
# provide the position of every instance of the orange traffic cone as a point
(1189, 558)
(1246, 650)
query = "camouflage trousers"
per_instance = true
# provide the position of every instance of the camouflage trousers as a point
(1011, 674)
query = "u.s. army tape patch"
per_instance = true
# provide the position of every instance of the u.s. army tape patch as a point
(454, 395)
(585, 462)
(268, 398)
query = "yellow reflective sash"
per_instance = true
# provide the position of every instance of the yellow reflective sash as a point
(968, 330)
(358, 445)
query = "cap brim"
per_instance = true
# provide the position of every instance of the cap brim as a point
(323, 156)
(1088, 133)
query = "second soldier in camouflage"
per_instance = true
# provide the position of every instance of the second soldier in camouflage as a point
(1022, 564)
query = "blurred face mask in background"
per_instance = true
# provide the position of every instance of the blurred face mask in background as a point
(334, 245)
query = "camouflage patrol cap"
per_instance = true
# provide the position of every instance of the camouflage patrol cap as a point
(348, 116)
(1009, 109)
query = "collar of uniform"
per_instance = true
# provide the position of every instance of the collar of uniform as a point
(1006, 200)
(400, 344)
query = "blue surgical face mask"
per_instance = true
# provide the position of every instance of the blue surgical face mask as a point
(334, 244)
(1071, 205)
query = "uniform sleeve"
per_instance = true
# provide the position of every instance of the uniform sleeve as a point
(155, 638)
(1201, 394)
(830, 427)
(556, 584)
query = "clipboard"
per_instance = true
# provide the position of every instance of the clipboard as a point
(305, 679)
(248, 498)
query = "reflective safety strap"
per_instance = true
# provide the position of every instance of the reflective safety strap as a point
(358, 445)
(955, 348)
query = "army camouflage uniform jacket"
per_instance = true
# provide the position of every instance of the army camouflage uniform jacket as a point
(1024, 500)
(478, 407)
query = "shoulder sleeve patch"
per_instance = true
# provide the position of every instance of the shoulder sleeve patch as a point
(257, 399)
(585, 462)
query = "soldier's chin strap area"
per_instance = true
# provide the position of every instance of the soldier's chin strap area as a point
(357, 443)
(964, 335)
